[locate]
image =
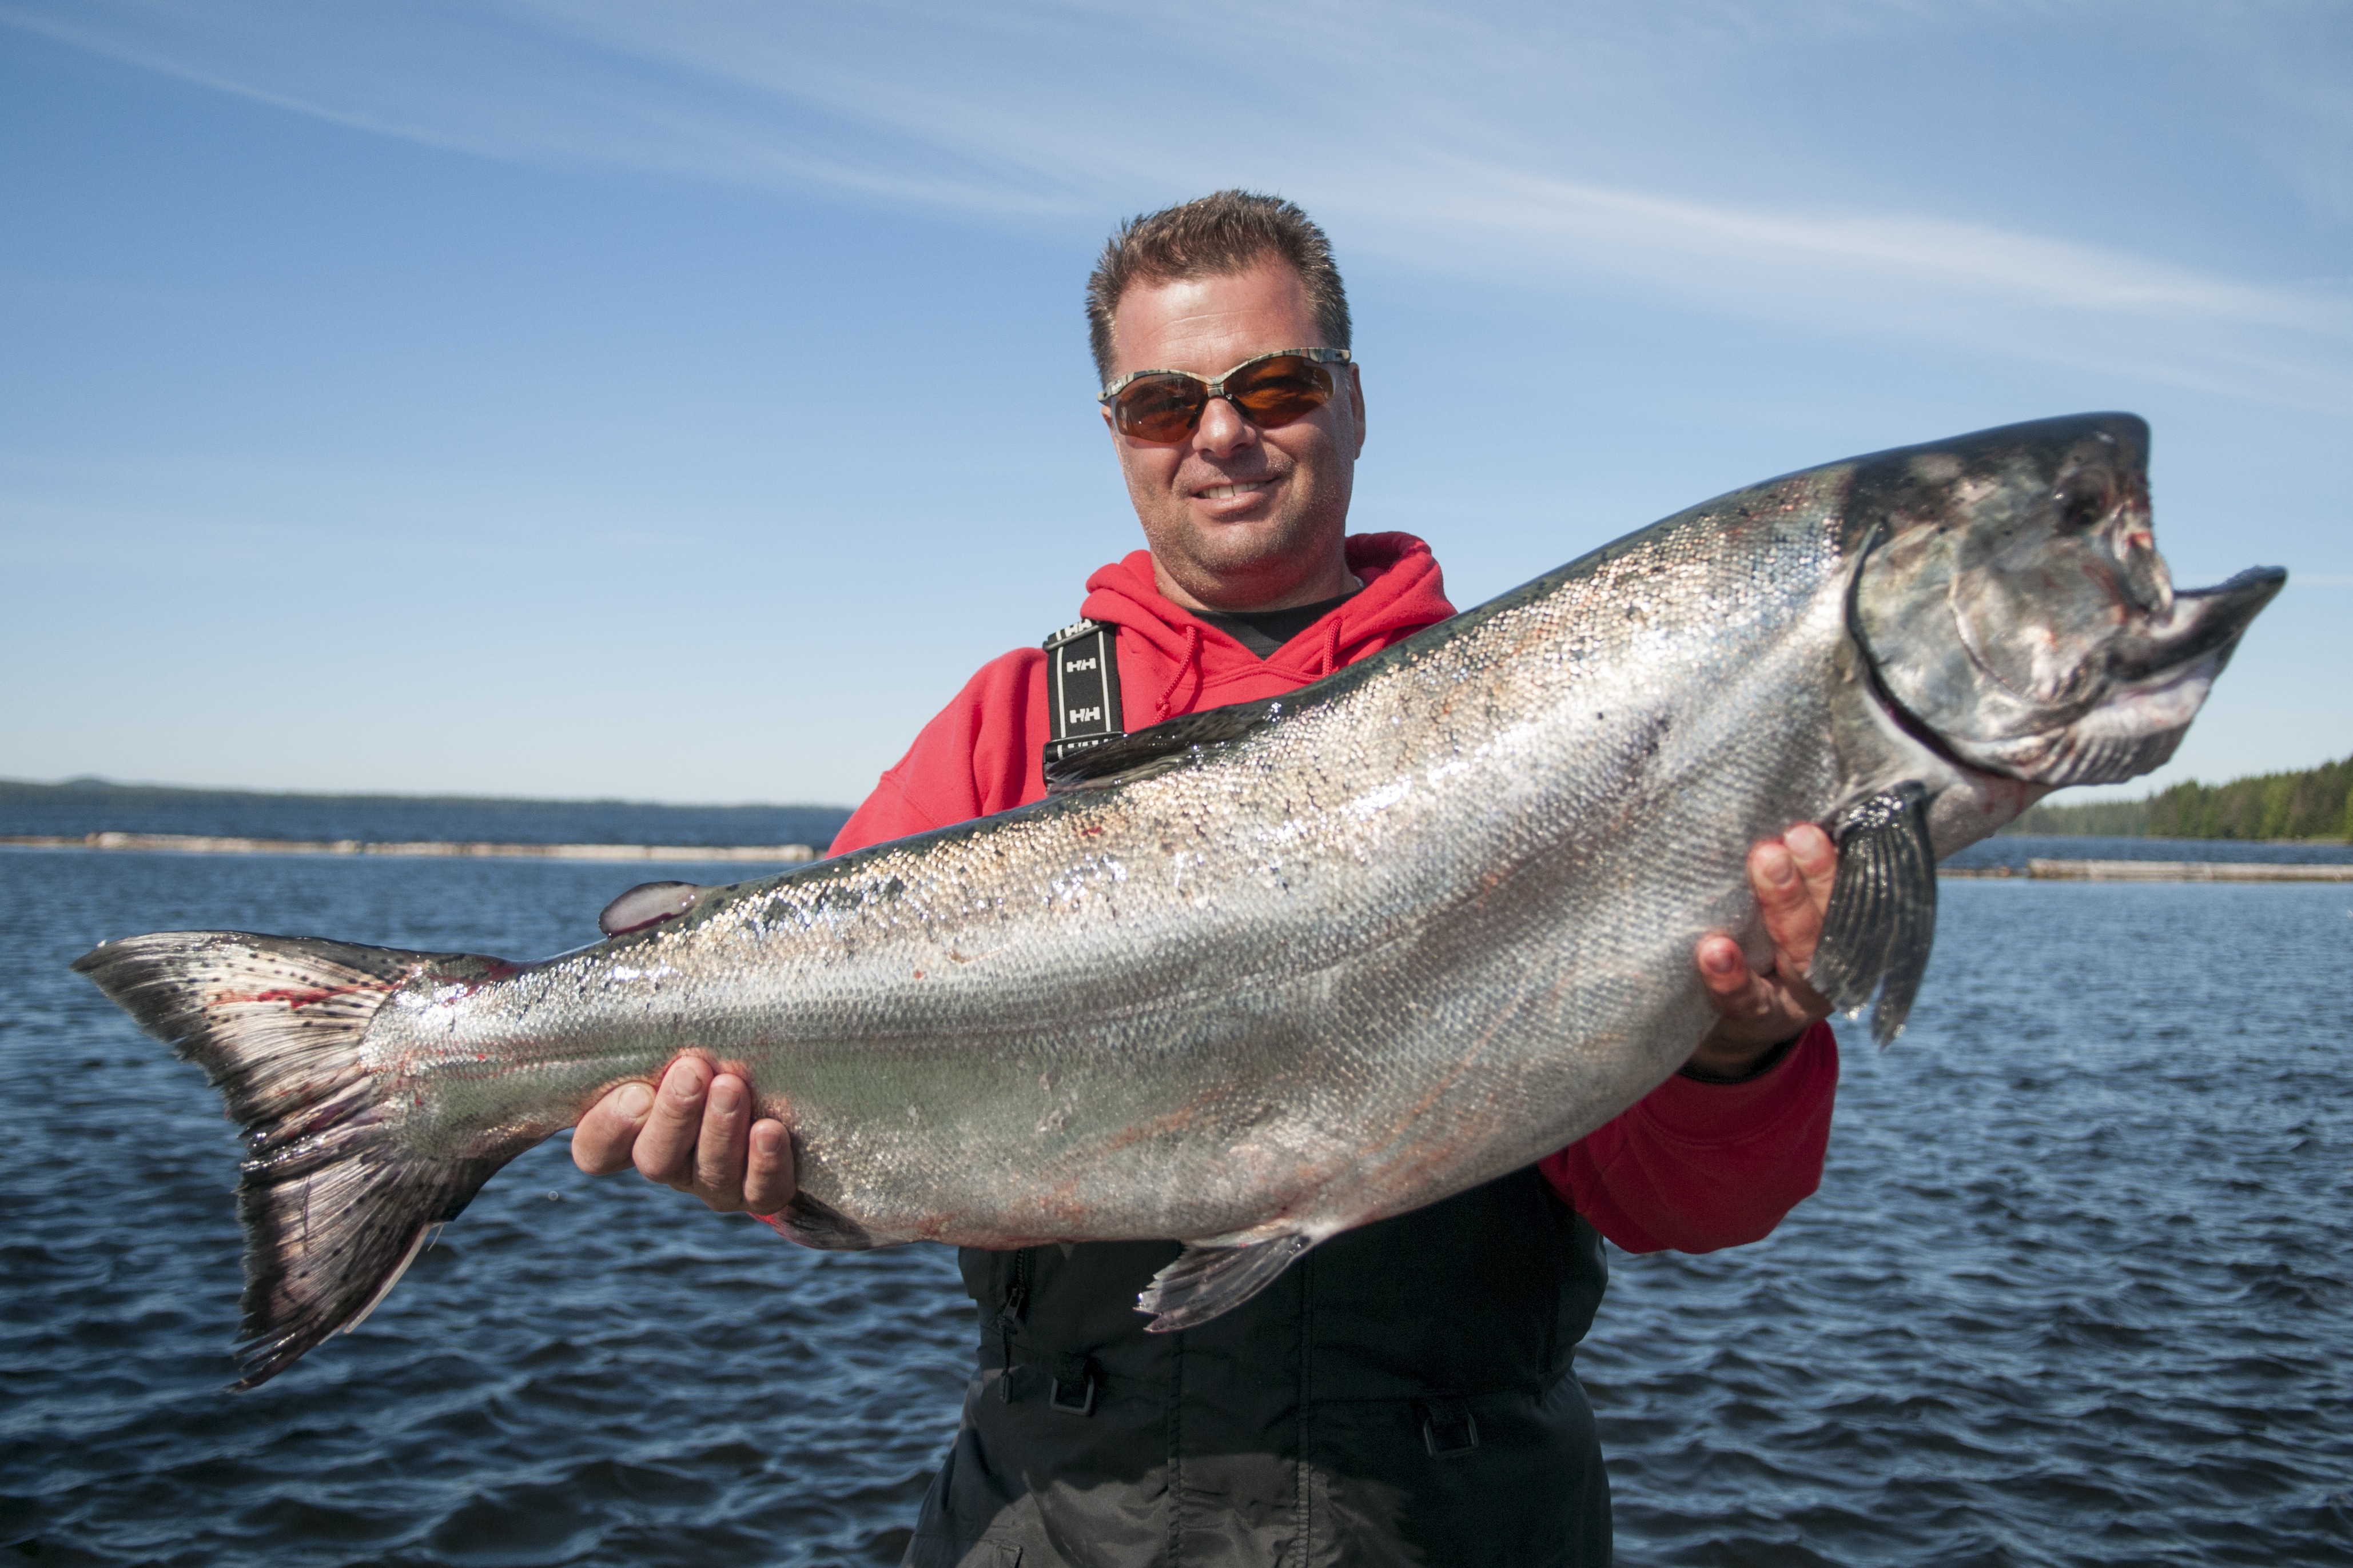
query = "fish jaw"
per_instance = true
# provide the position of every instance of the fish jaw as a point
(2138, 721)
(2011, 603)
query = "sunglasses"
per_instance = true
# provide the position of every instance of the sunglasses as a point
(1270, 389)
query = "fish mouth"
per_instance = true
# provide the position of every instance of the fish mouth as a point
(2198, 622)
(2158, 679)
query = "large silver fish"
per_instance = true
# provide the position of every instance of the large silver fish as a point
(1270, 971)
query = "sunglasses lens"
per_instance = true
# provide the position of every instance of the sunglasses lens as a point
(1278, 391)
(1271, 393)
(1159, 407)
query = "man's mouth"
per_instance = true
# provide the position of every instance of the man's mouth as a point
(1227, 492)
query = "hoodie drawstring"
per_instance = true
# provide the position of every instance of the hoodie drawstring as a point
(1190, 663)
(1331, 644)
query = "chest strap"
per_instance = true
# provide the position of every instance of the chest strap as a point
(1083, 687)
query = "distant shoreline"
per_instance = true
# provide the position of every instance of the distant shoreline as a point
(2038, 869)
(94, 815)
(2314, 805)
(433, 848)
(28, 789)
(2252, 811)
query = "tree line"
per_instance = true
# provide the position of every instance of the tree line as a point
(2316, 803)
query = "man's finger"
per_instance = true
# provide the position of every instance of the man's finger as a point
(1735, 989)
(719, 1150)
(608, 1135)
(769, 1179)
(665, 1147)
(1791, 918)
(1817, 858)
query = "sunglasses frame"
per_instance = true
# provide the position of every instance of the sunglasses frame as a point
(1217, 388)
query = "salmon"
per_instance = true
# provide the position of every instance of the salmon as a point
(1266, 973)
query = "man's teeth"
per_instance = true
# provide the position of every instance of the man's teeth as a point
(1227, 492)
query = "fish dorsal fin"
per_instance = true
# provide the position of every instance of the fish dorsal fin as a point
(1157, 750)
(1207, 1281)
(1882, 916)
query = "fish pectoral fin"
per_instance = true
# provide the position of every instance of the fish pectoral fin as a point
(1207, 1281)
(1881, 920)
(1159, 748)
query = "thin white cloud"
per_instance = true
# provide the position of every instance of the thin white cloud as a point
(1547, 149)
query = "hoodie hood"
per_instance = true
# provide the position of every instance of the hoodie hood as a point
(1171, 662)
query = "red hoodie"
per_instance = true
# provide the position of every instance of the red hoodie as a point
(1695, 1166)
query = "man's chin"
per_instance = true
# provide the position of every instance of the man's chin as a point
(1239, 565)
(1248, 548)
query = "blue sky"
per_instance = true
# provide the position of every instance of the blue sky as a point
(676, 403)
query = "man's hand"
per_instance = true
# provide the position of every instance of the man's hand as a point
(1791, 875)
(695, 1133)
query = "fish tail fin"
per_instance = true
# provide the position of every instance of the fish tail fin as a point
(333, 1205)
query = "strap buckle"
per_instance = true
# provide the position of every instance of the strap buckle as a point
(1448, 1431)
(1075, 1386)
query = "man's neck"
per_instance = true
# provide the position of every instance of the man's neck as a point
(1238, 599)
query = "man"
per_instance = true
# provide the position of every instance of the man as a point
(1404, 1393)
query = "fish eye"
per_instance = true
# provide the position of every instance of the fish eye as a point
(2083, 503)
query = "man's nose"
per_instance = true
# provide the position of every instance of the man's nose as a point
(1222, 429)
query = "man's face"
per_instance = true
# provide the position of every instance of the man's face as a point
(1238, 518)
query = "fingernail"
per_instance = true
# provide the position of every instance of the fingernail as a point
(1717, 961)
(766, 1138)
(725, 1097)
(633, 1101)
(684, 1081)
(1781, 870)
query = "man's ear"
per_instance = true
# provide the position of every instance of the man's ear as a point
(1355, 397)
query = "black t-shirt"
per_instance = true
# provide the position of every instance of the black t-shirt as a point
(1264, 631)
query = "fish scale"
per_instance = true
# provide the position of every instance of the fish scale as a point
(1265, 973)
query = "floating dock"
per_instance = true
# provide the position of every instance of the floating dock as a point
(2158, 871)
(437, 850)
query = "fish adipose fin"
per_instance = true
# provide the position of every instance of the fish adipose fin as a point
(1882, 916)
(1207, 1281)
(334, 1208)
(1159, 748)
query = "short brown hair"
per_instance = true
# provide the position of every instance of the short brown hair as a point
(1215, 236)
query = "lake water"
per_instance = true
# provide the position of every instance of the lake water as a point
(2075, 1289)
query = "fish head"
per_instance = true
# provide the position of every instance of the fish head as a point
(2011, 601)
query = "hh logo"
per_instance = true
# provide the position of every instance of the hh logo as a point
(1076, 665)
(1085, 715)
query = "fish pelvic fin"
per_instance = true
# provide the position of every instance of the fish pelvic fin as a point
(1881, 920)
(333, 1206)
(813, 1222)
(1207, 1281)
